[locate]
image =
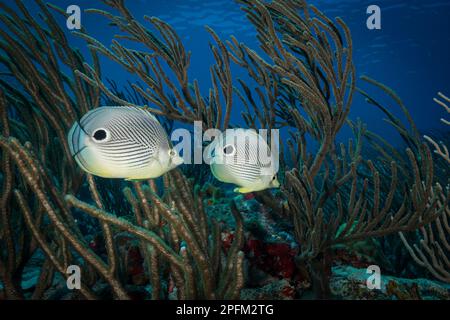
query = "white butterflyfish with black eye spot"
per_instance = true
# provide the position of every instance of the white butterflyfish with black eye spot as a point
(242, 157)
(122, 142)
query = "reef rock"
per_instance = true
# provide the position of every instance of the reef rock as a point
(349, 283)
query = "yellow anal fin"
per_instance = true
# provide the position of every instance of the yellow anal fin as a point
(243, 190)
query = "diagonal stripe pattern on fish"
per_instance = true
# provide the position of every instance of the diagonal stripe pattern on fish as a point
(122, 142)
(242, 157)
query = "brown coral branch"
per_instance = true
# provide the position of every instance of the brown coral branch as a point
(441, 149)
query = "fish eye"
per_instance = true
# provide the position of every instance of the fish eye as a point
(100, 135)
(229, 150)
(274, 177)
(172, 153)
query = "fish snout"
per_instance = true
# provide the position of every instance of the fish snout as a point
(175, 158)
(275, 183)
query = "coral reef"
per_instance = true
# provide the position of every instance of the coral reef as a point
(182, 237)
(38, 104)
(441, 150)
(350, 283)
(308, 83)
(433, 249)
(179, 245)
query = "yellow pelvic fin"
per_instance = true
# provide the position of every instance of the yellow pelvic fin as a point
(136, 179)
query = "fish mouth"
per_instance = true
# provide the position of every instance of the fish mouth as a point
(275, 183)
(176, 161)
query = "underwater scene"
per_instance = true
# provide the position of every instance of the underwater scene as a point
(224, 150)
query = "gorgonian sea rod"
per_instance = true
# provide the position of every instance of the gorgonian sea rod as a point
(163, 234)
(333, 195)
(178, 241)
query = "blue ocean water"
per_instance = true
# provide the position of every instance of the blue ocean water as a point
(410, 53)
